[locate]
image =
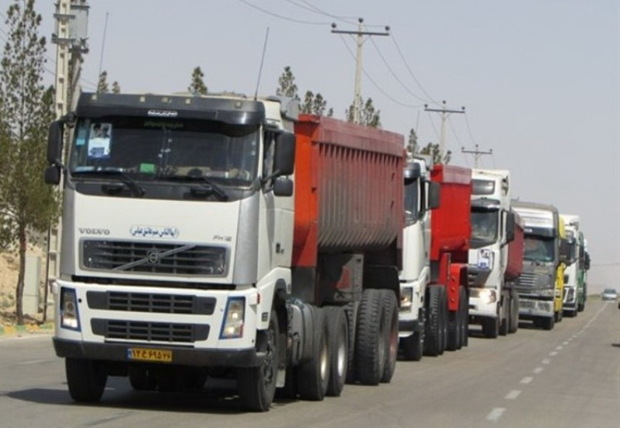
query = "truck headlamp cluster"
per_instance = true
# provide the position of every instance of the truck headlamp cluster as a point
(68, 309)
(233, 318)
(486, 295)
(547, 292)
(406, 298)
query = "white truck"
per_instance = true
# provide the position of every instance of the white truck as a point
(495, 254)
(574, 273)
(224, 235)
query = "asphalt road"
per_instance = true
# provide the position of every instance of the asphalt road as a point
(567, 377)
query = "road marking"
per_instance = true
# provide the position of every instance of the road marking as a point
(512, 395)
(495, 414)
(553, 354)
(527, 379)
(538, 370)
(559, 348)
(546, 361)
(566, 343)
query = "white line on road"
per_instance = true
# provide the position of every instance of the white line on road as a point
(495, 414)
(553, 354)
(538, 370)
(546, 361)
(559, 348)
(527, 379)
(512, 395)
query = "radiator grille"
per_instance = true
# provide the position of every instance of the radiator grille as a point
(154, 258)
(149, 331)
(150, 302)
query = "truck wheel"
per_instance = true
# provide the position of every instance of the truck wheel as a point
(338, 345)
(413, 346)
(464, 299)
(86, 380)
(390, 315)
(141, 379)
(351, 314)
(372, 337)
(490, 327)
(444, 320)
(257, 385)
(433, 334)
(514, 314)
(548, 323)
(454, 322)
(313, 375)
(504, 319)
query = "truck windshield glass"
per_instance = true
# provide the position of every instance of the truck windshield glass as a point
(412, 201)
(159, 148)
(538, 250)
(484, 226)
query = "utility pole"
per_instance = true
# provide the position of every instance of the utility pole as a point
(70, 39)
(477, 153)
(357, 91)
(444, 113)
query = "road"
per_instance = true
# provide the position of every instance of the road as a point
(568, 377)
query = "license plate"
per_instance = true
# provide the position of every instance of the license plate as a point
(145, 354)
(527, 304)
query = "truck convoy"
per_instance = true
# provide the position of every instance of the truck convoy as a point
(496, 254)
(227, 236)
(575, 292)
(541, 282)
(434, 280)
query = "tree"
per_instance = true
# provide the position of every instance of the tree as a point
(369, 116)
(433, 150)
(287, 86)
(412, 142)
(197, 85)
(102, 84)
(27, 204)
(116, 88)
(315, 104)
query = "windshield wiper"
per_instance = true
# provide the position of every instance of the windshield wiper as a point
(209, 185)
(125, 179)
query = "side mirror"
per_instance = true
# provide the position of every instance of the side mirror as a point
(54, 143)
(52, 175)
(284, 157)
(283, 186)
(510, 227)
(434, 195)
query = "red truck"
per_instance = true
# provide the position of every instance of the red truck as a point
(447, 295)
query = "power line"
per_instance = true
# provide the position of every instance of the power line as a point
(286, 18)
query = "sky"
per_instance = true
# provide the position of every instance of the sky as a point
(539, 79)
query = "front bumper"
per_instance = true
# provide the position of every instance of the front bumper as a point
(535, 308)
(119, 352)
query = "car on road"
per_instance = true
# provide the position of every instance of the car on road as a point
(609, 294)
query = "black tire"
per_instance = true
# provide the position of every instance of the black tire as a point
(514, 315)
(464, 300)
(351, 313)
(338, 345)
(413, 346)
(433, 324)
(313, 375)
(371, 339)
(490, 327)
(454, 338)
(142, 379)
(390, 316)
(86, 380)
(444, 320)
(257, 385)
(547, 323)
(504, 319)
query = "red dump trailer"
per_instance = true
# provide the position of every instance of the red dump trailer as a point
(348, 227)
(447, 320)
(514, 262)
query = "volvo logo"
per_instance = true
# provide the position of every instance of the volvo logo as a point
(152, 256)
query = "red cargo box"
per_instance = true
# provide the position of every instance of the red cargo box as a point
(348, 188)
(450, 223)
(514, 265)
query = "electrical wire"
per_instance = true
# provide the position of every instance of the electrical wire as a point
(275, 15)
(312, 8)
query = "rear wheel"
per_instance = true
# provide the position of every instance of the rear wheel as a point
(313, 375)
(390, 315)
(372, 338)
(338, 345)
(86, 379)
(257, 385)
(433, 334)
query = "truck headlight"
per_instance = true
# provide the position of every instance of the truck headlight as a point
(233, 318)
(547, 292)
(69, 309)
(486, 295)
(406, 297)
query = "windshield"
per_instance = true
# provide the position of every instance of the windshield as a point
(166, 148)
(538, 249)
(484, 226)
